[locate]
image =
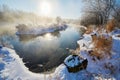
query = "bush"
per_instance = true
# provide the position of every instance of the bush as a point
(110, 26)
(102, 46)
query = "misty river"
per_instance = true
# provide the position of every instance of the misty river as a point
(45, 52)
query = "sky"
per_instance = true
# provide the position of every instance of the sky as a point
(64, 8)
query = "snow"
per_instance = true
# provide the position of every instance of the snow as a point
(61, 73)
(42, 30)
(116, 43)
(72, 61)
(98, 67)
(117, 31)
(85, 42)
(13, 68)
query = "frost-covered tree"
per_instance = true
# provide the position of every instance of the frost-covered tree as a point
(101, 9)
(58, 20)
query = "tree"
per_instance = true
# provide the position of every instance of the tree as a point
(116, 13)
(101, 9)
(22, 28)
(88, 19)
(59, 20)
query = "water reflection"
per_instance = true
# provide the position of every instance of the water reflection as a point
(48, 36)
(48, 49)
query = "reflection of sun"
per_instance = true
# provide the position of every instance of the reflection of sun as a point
(48, 36)
(45, 8)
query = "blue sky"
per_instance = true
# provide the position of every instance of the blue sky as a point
(63, 8)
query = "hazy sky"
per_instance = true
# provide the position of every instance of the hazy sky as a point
(63, 8)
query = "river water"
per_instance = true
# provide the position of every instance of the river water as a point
(45, 52)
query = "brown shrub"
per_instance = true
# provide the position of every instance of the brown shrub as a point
(110, 25)
(94, 38)
(102, 46)
(90, 29)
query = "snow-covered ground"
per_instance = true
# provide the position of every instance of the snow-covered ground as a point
(12, 66)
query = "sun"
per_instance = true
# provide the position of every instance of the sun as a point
(45, 8)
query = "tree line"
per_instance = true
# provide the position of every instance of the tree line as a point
(99, 12)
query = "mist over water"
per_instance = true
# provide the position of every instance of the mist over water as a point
(48, 50)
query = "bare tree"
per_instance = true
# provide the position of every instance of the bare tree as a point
(89, 19)
(116, 16)
(59, 20)
(116, 13)
(100, 8)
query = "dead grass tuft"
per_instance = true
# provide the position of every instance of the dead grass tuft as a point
(102, 46)
(110, 25)
(89, 29)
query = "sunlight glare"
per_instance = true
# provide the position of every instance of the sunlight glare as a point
(45, 8)
(48, 36)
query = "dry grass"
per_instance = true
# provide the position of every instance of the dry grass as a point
(102, 46)
(94, 38)
(110, 25)
(100, 29)
(89, 29)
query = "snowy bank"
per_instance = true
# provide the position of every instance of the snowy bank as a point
(39, 30)
(13, 67)
(106, 68)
